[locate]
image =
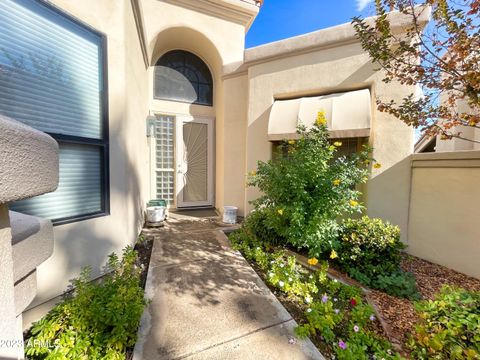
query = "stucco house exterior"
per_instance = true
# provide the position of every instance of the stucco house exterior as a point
(160, 99)
(468, 140)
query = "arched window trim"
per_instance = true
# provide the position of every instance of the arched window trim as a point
(188, 65)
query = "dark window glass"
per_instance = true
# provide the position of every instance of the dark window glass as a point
(348, 147)
(53, 78)
(183, 76)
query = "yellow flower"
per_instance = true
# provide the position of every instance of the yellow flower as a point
(291, 142)
(353, 203)
(365, 179)
(333, 254)
(321, 119)
(253, 173)
(313, 261)
(336, 182)
(280, 211)
(337, 143)
(472, 123)
(377, 166)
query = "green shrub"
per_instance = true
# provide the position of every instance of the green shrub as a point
(99, 320)
(449, 327)
(369, 245)
(369, 250)
(304, 193)
(400, 284)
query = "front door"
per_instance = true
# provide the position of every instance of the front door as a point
(194, 160)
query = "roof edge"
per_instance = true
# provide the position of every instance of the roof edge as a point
(329, 37)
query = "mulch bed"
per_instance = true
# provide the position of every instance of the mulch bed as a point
(144, 250)
(297, 311)
(399, 314)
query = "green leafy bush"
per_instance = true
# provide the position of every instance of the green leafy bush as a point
(305, 192)
(99, 320)
(369, 250)
(399, 283)
(449, 326)
(370, 246)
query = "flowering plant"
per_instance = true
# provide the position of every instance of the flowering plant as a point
(305, 192)
(333, 311)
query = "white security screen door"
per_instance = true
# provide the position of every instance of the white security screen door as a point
(194, 140)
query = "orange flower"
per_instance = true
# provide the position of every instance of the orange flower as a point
(313, 261)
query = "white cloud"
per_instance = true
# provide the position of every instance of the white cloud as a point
(362, 4)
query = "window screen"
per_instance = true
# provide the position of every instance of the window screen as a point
(183, 76)
(52, 78)
(349, 146)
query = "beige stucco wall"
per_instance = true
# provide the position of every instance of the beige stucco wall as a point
(443, 221)
(89, 242)
(10, 325)
(218, 39)
(388, 195)
(433, 198)
(234, 170)
(470, 135)
(326, 70)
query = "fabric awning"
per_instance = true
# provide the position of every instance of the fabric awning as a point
(348, 115)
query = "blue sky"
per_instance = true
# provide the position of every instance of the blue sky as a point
(280, 19)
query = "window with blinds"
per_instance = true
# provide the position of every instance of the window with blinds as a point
(52, 78)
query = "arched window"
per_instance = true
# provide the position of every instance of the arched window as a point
(183, 76)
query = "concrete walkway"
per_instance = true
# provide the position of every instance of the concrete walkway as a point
(208, 303)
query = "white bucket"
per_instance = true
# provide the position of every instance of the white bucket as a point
(155, 214)
(230, 214)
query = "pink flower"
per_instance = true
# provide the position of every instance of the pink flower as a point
(342, 345)
(356, 328)
(353, 302)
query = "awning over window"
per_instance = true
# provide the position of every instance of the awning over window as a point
(348, 115)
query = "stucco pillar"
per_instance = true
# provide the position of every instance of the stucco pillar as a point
(28, 167)
(11, 340)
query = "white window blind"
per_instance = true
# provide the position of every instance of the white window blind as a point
(51, 78)
(78, 188)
